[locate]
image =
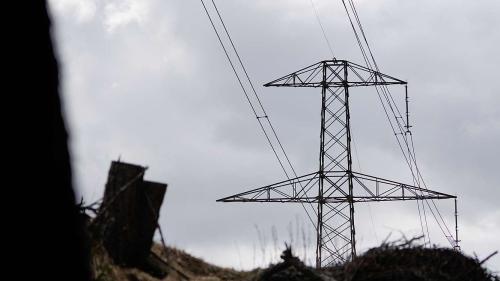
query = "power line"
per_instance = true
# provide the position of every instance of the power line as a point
(264, 114)
(411, 158)
(369, 65)
(244, 90)
(322, 28)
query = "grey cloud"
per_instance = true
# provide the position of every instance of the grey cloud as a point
(159, 92)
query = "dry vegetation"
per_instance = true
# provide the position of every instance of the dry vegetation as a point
(178, 266)
(388, 262)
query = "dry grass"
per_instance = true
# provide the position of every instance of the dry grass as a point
(181, 266)
(412, 263)
(403, 262)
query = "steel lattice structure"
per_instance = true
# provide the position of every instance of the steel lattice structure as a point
(332, 191)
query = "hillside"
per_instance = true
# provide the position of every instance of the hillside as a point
(120, 238)
(388, 262)
(174, 265)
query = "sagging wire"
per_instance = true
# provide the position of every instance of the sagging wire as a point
(264, 115)
(410, 158)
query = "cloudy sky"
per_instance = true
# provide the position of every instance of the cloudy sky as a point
(147, 81)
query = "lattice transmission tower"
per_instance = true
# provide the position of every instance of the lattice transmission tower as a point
(335, 187)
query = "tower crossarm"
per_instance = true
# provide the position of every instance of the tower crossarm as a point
(290, 190)
(370, 188)
(313, 76)
(366, 189)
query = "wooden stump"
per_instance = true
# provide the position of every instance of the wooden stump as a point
(129, 213)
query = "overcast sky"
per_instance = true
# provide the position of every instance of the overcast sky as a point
(147, 81)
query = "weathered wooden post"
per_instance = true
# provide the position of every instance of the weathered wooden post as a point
(128, 216)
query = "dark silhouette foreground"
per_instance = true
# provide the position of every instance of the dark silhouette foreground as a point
(47, 238)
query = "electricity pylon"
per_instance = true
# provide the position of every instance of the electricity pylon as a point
(335, 187)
